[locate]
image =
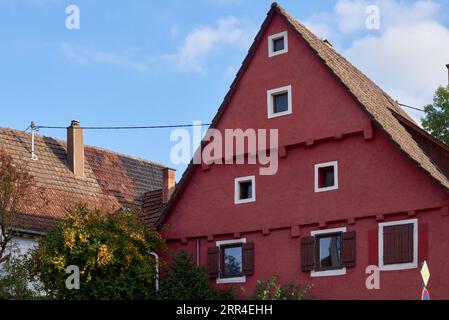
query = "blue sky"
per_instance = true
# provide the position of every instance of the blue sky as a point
(168, 62)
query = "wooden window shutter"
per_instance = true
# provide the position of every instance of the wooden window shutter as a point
(307, 254)
(348, 249)
(398, 244)
(213, 261)
(248, 258)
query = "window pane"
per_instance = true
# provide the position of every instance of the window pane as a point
(327, 177)
(278, 44)
(330, 248)
(246, 190)
(233, 261)
(280, 103)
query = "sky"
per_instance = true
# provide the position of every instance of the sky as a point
(138, 63)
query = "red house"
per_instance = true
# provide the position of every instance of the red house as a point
(358, 182)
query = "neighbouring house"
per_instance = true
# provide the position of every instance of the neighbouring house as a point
(359, 183)
(70, 173)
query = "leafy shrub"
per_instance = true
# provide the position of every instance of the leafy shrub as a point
(183, 280)
(16, 282)
(110, 249)
(271, 290)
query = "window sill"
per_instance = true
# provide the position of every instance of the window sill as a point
(329, 273)
(231, 280)
(243, 201)
(325, 189)
(397, 267)
(272, 115)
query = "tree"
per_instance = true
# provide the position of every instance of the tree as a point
(18, 193)
(111, 251)
(437, 115)
(271, 290)
(183, 280)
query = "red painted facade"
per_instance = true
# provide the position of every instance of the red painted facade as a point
(377, 183)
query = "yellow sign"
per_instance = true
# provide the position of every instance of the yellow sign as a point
(425, 273)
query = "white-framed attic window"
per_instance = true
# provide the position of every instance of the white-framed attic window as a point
(277, 44)
(279, 102)
(245, 190)
(326, 176)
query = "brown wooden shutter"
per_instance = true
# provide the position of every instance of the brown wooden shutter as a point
(398, 244)
(348, 249)
(248, 258)
(213, 261)
(307, 254)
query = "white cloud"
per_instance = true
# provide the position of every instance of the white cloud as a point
(406, 57)
(85, 56)
(203, 40)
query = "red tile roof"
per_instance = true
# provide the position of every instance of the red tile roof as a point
(112, 180)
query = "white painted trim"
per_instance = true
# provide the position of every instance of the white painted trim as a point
(270, 101)
(328, 231)
(317, 176)
(399, 266)
(237, 182)
(231, 280)
(228, 242)
(241, 279)
(328, 273)
(271, 52)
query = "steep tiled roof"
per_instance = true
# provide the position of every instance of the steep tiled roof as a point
(377, 103)
(111, 181)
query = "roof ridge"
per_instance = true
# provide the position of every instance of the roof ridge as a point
(64, 142)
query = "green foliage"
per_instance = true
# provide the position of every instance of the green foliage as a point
(271, 290)
(437, 115)
(16, 282)
(111, 251)
(183, 280)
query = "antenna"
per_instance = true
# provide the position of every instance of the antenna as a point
(33, 132)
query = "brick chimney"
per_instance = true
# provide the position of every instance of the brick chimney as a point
(168, 183)
(75, 149)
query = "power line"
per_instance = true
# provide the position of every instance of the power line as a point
(128, 127)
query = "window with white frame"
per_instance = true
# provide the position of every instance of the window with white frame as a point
(326, 176)
(328, 250)
(231, 261)
(279, 101)
(398, 245)
(277, 44)
(245, 190)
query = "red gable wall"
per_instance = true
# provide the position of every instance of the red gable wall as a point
(375, 178)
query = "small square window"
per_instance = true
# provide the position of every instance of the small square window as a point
(326, 176)
(277, 44)
(232, 261)
(279, 102)
(245, 190)
(329, 251)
